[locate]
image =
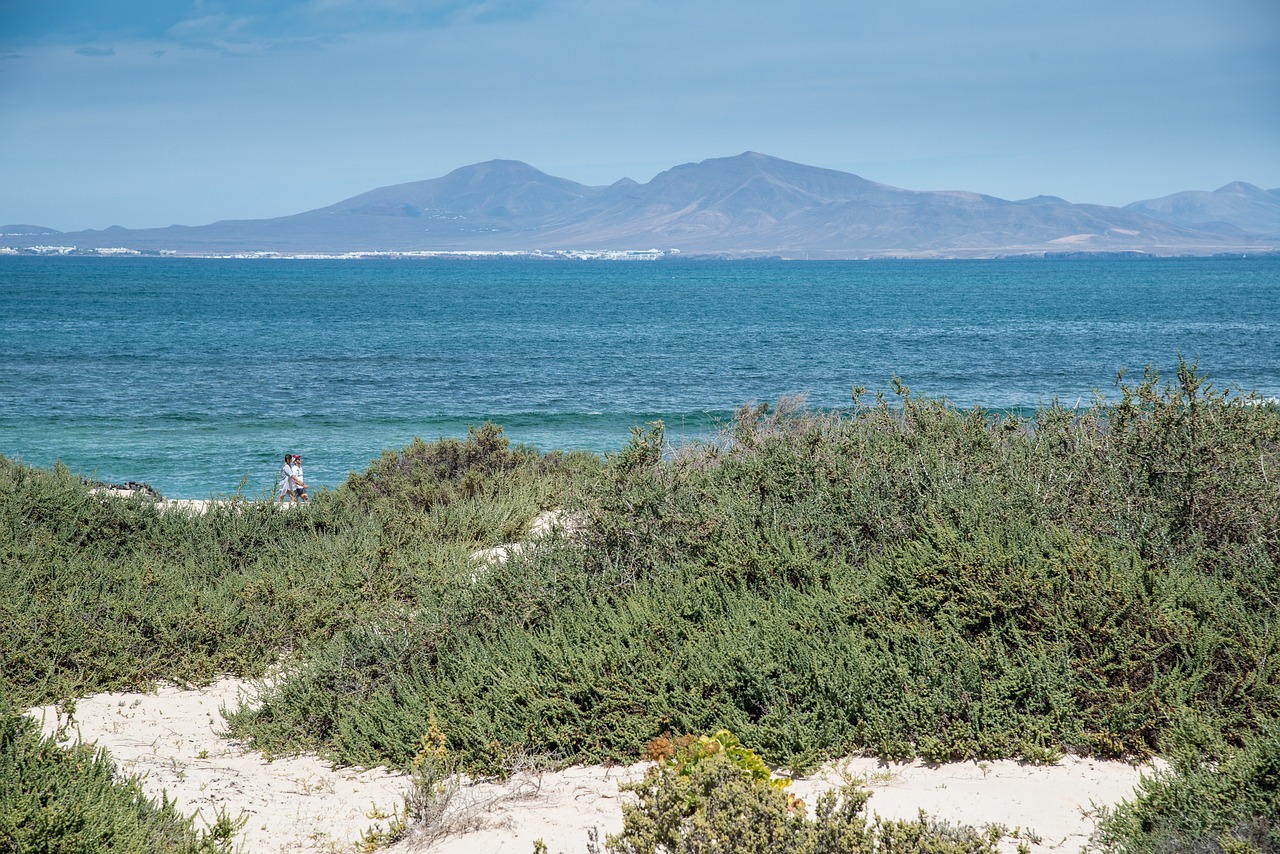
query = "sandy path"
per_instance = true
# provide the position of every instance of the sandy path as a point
(301, 804)
(1053, 802)
(171, 738)
(1051, 805)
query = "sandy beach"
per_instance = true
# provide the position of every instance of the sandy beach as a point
(172, 737)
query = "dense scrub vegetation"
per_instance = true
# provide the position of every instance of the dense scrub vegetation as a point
(1213, 798)
(903, 578)
(98, 592)
(907, 578)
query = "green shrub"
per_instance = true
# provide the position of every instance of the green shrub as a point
(109, 593)
(710, 796)
(424, 476)
(99, 592)
(684, 755)
(1213, 798)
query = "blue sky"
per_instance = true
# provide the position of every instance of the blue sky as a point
(153, 112)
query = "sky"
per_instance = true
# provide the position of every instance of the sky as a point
(147, 113)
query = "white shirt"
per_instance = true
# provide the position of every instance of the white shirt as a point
(287, 484)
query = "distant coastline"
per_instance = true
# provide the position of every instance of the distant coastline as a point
(605, 255)
(533, 255)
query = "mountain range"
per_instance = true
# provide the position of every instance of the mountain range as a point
(751, 205)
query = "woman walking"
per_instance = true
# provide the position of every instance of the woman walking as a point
(285, 484)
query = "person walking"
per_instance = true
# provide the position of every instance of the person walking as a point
(299, 482)
(284, 481)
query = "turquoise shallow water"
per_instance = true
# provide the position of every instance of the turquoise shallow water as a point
(195, 374)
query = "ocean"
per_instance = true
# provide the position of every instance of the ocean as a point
(197, 375)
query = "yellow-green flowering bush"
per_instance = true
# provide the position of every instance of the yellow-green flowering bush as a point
(711, 794)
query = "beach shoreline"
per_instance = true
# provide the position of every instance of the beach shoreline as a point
(186, 505)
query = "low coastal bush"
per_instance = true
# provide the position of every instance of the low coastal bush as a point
(99, 592)
(110, 593)
(69, 799)
(1213, 798)
(711, 794)
(423, 476)
(906, 578)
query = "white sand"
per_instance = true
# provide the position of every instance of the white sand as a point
(544, 525)
(194, 506)
(1053, 802)
(301, 804)
(172, 738)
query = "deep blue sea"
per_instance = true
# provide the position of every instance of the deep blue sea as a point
(195, 375)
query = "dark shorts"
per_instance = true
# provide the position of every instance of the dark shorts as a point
(300, 493)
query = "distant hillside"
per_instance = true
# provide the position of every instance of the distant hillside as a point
(27, 231)
(1236, 208)
(750, 205)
